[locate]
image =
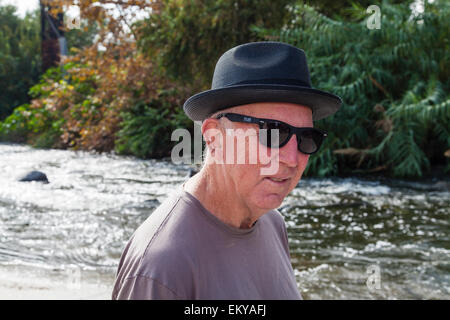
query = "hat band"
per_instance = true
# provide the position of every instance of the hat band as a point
(274, 81)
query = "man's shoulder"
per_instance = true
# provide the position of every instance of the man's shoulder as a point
(156, 249)
(162, 237)
(146, 233)
(165, 229)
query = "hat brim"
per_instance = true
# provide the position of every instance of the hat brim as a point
(203, 104)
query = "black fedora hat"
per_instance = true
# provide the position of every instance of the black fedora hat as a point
(261, 72)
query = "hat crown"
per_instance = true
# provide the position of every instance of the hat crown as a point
(262, 63)
(255, 72)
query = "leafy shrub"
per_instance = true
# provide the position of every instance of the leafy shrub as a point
(394, 81)
(20, 61)
(146, 131)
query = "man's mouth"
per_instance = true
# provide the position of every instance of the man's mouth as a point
(277, 180)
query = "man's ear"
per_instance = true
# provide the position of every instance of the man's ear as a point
(212, 133)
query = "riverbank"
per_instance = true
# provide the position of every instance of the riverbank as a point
(434, 180)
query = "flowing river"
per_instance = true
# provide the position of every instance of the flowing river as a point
(349, 238)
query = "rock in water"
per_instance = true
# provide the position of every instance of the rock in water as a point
(152, 203)
(191, 172)
(35, 176)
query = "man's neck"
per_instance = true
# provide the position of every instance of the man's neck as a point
(221, 199)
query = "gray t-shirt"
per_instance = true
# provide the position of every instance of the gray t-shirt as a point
(183, 251)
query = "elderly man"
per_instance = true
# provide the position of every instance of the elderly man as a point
(220, 236)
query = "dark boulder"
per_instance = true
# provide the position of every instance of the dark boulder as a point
(191, 172)
(35, 176)
(152, 202)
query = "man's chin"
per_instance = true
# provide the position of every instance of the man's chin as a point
(270, 201)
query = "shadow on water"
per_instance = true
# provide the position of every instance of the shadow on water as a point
(339, 229)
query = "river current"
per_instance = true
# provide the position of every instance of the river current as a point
(349, 238)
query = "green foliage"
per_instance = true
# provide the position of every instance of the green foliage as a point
(35, 124)
(20, 54)
(79, 38)
(146, 130)
(345, 9)
(15, 128)
(394, 82)
(187, 36)
(20, 62)
(26, 122)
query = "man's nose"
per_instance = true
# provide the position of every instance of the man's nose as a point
(289, 152)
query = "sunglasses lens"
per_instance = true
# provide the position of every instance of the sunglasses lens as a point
(266, 133)
(310, 141)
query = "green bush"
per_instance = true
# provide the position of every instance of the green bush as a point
(188, 36)
(35, 124)
(20, 60)
(146, 129)
(394, 81)
(16, 128)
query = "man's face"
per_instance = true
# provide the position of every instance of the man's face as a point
(253, 183)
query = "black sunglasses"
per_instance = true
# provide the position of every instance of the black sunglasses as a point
(308, 139)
